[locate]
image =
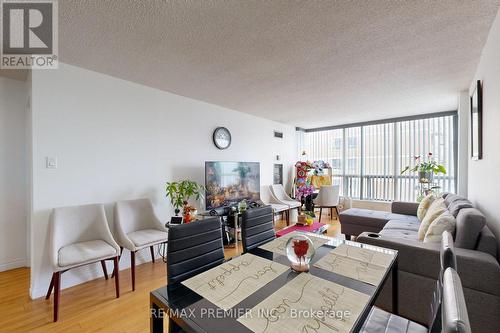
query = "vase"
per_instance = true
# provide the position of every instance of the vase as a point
(299, 251)
(427, 176)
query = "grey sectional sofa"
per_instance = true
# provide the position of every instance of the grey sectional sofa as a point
(418, 262)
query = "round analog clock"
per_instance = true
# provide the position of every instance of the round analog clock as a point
(222, 137)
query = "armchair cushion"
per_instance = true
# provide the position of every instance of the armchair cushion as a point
(85, 252)
(147, 237)
(470, 222)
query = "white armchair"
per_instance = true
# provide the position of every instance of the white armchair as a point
(279, 193)
(137, 227)
(79, 236)
(328, 197)
(268, 198)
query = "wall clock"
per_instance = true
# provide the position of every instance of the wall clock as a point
(222, 138)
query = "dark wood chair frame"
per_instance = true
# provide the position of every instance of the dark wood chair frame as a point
(331, 210)
(132, 261)
(55, 282)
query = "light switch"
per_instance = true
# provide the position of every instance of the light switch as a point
(51, 162)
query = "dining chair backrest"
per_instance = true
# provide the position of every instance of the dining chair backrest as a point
(265, 194)
(193, 248)
(454, 310)
(279, 192)
(447, 260)
(137, 214)
(257, 227)
(70, 225)
(328, 195)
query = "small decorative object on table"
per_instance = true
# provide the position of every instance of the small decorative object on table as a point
(306, 218)
(300, 251)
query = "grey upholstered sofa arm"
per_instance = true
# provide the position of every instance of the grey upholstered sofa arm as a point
(423, 259)
(405, 208)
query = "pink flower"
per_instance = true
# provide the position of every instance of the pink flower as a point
(430, 154)
(417, 157)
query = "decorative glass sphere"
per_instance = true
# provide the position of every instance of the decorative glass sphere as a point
(300, 250)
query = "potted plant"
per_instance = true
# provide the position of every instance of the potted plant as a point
(180, 193)
(426, 169)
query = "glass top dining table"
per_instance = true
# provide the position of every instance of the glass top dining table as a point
(193, 313)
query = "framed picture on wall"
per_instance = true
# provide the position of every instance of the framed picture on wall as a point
(476, 122)
(278, 174)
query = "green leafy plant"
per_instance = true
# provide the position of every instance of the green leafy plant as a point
(429, 166)
(180, 193)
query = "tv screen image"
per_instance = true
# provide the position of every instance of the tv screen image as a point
(230, 182)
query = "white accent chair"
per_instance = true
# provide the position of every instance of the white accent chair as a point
(279, 193)
(79, 235)
(328, 197)
(268, 198)
(137, 227)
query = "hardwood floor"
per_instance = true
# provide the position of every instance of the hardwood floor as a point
(92, 306)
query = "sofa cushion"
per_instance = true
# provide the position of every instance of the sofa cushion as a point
(452, 198)
(444, 222)
(437, 208)
(456, 205)
(371, 217)
(402, 224)
(85, 252)
(400, 233)
(424, 206)
(470, 222)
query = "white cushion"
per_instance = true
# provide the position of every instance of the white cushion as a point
(444, 222)
(292, 203)
(437, 208)
(424, 205)
(144, 237)
(279, 208)
(85, 252)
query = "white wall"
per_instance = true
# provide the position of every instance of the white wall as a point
(13, 195)
(484, 175)
(463, 142)
(118, 140)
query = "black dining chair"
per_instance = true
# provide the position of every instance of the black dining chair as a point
(193, 248)
(448, 309)
(257, 227)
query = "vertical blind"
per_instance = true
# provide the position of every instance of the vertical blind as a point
(367, 160)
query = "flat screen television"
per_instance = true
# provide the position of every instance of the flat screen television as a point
(230, 182)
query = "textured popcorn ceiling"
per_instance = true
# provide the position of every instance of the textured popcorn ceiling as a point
(306, 63)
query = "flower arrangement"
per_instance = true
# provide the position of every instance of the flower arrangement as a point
(303, 191)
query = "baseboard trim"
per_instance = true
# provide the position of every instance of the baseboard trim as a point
(12, 265)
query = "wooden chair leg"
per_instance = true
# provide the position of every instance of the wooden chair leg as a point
(57, 289)
(117, 276)
(51, 286)
(336, 212)
(132, 268)
(152, 250)
(121, 252)
(331, 213)
(104, 269)
(288, 217)
(320, 211)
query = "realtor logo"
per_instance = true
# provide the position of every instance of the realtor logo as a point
(29, 34)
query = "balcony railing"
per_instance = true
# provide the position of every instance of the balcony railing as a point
(388, 187)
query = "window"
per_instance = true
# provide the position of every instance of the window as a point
(367, 159)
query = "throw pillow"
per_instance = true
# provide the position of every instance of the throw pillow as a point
(437, 208)
(424, 206)
(444, 222)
